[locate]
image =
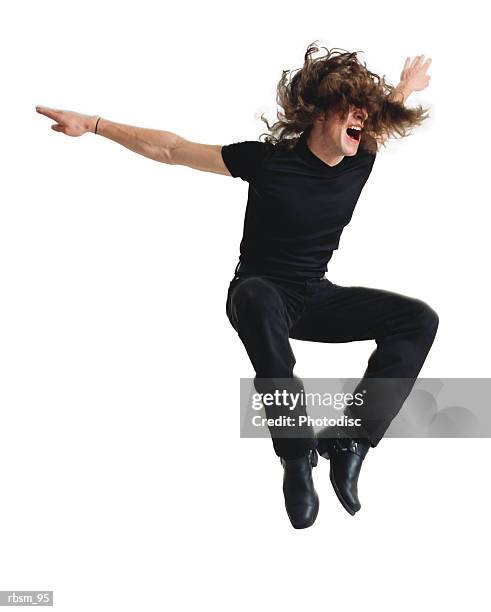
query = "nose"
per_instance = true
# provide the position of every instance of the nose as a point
(361, 114)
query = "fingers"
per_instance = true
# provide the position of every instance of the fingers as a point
(418, 61)
(420, 66)
(52, 113)
(57, 128)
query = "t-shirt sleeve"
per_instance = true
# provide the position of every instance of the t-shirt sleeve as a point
(244, 159)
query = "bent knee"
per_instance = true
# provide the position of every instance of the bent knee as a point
(426, 317)
(254, 296)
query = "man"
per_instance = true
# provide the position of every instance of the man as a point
(304, 182)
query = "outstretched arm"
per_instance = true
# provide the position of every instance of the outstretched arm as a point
(159, 145)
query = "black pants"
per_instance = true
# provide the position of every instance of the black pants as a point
(267, 311)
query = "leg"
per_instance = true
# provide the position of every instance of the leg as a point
(403, 328)
(260, 315)
(258, 312)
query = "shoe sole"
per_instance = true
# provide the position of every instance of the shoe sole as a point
(336, 490)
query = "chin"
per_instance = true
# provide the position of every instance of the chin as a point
(350, 148)
(350, 151)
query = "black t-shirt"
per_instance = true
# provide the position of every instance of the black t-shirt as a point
(297, 205)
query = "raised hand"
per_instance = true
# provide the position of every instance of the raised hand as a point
(413, 75)
(68, 122)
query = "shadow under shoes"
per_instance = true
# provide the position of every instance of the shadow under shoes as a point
(346, 456)
(301, 499)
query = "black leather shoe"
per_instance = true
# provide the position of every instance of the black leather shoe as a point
(346, 456)
(301, 499)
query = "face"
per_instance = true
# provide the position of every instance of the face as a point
(343, 136)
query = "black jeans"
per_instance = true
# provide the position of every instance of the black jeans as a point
(267, 311)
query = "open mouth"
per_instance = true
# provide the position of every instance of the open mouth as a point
(354, 133)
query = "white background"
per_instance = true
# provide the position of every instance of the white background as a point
(124, 483)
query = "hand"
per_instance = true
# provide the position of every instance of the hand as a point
(68, 122)
(413, 75)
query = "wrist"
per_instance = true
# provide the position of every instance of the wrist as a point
(92, 123)
(401, 92)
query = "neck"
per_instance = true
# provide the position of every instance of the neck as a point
(323, 149)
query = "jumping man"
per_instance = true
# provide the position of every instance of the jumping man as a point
(305, 178)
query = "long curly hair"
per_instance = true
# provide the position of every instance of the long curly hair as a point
(332, 83)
